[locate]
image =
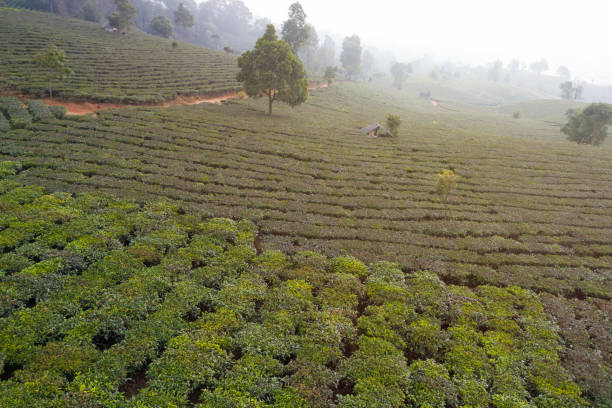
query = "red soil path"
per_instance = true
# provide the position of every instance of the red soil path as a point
(85, 108)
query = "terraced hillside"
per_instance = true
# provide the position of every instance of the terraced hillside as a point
(108, 67)
(530, 209)
(104, 302)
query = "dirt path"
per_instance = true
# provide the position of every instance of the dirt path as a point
(85, 108)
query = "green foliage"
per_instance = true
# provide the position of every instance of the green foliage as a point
(19, 116)
(91, 12)
(138, 68)
(162, 26)
(58, 111)
(207, 316)
(393, 123)
(53, 62)
(123, 18)
(516, 114)
(588, 125)
(9, 168)
(400, 72)
(295, 30)
(330, 74)
(349, 265)
(351, 55)
(273, 70)
(183, 17)
(5, 125)
(38, 110)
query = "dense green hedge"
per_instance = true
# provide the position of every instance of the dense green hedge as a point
(38, 109)
(14, 110)
(104, 302)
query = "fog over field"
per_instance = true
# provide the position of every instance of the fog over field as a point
(472, 31)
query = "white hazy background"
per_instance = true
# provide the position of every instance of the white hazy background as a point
(571, 33)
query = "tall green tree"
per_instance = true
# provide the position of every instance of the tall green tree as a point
(588, 125)
(295, 30)
(161, 25)
(183, 17)
(400, 72)
(123, 18)
(271, 69)
(351, 55)
(53, 62)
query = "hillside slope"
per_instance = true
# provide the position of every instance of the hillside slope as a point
(107, 303)
(111, 67)
(531, 209)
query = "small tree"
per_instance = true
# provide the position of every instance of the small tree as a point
(330, 74)
(447, 180)
(161, 25)
(228, 49)
(183, 17)
(91, 12)
(272, 69)
(400, 72)
(588, 125)
(295, 30)
(53, 61)
(393, 124)
(571, 90)
(123, 18)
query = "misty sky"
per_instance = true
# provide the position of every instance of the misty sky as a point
(569, 33)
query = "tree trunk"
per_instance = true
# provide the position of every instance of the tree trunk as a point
(270, 100)
(50, 95)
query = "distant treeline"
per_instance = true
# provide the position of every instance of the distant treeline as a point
(225, 25)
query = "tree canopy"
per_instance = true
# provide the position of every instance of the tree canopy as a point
(161, 25)
(588, 125)
(53, 61)
(271, 69)
(183, 17)
(351, 55)
(400, 72)
(295, 30)
(123, 18)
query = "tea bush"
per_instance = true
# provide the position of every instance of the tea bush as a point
(107, 303)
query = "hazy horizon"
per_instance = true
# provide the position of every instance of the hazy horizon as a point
(474, 31)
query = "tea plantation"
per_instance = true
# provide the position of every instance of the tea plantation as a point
(108, 67)
(107, 302)
(531, 210)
